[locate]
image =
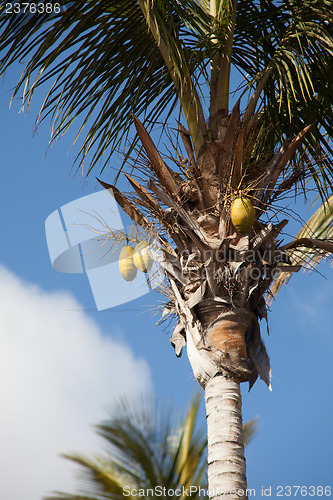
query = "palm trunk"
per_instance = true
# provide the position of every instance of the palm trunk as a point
(226, 462)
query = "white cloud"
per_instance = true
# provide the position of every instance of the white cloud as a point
(58, 375)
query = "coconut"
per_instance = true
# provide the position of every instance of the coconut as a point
(126, 265)
(141, 257)
(242, 214)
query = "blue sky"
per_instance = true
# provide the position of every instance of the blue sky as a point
(63, 363)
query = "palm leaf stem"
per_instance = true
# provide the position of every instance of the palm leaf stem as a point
(221, 62)
(255, 96)
(180, 75)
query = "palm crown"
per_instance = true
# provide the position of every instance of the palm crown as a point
(106, 63)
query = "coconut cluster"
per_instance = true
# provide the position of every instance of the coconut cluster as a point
(131, 260)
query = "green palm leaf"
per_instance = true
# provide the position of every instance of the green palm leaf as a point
(143, 450)
(102, 61)
(292, 43)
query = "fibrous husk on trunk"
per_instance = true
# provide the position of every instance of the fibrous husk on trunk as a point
(232, 339)
(225, 337)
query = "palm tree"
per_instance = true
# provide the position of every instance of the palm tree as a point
(146, 451)
(107, 63)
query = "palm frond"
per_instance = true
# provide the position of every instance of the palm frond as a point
(102, 61)
(191, 446)
(312, 243)
(290, 45)
(143, 450)
(99, 63)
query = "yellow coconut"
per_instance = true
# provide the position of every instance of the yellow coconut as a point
(126, 265)
(141, 257)
(242, 214)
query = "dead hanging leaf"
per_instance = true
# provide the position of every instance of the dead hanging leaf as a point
(169, 309)
(195, 173)
(197, 296)
(191, 224)
(262, 236)
(148, 200)
(157, 164)
(168, 267)
(254, 375)
(236, 172)
(261, 310)
(178, 339)
(258, 354)
(278, 228)
(232, 128)
(310, 243)
(288, 269)
(126, 205)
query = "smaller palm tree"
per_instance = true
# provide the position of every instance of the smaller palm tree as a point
(145, 452)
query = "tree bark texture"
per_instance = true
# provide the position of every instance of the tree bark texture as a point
(225, 348)
(226, 462)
